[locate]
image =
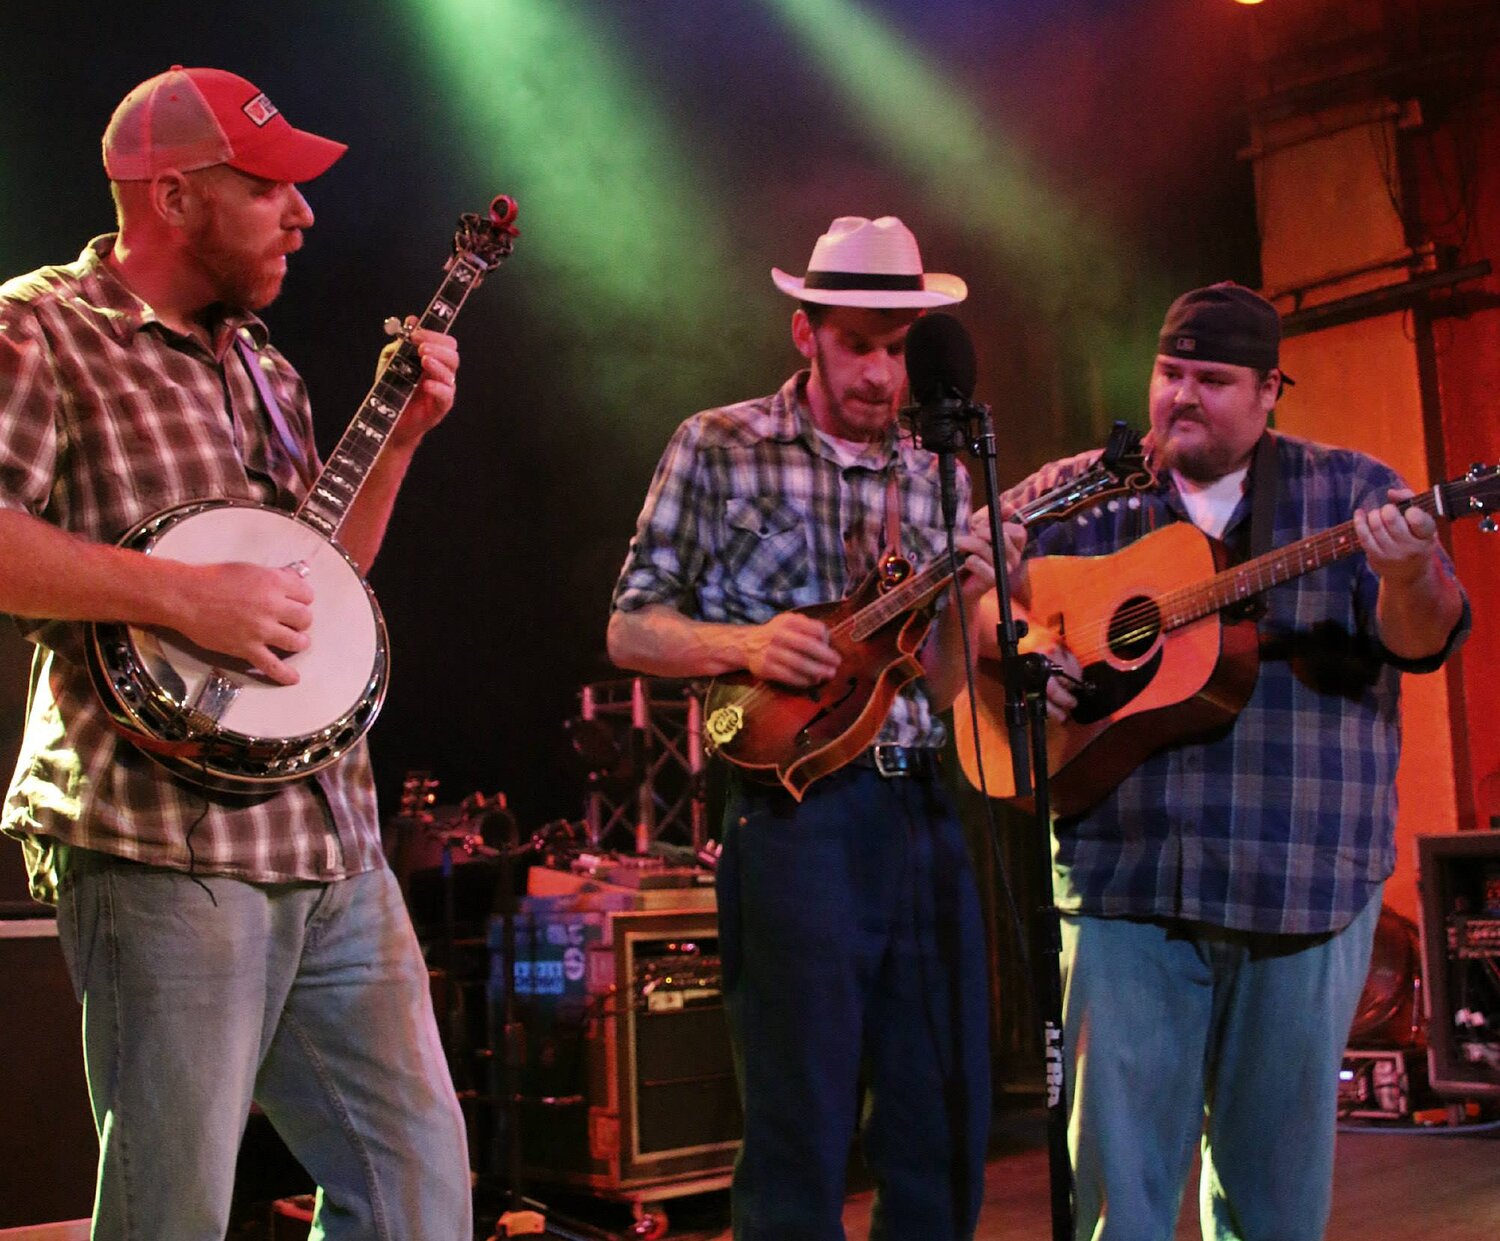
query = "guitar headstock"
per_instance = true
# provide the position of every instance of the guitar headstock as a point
(488, 239)
(1476, 493)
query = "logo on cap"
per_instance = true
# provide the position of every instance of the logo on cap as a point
(260, 109)
(1187, 344)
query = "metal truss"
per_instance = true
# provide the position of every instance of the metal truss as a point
(655, 790)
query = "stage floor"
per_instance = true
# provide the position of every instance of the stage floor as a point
(1388, 1186)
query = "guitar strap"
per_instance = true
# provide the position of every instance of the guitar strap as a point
(1266, 468)
(892, 513)
(289, 445)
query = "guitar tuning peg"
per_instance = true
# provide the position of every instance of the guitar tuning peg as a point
(1488, 524)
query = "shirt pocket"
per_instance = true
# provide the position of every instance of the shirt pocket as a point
(766, 553)
(138, 452)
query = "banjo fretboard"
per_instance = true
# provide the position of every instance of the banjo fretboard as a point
(334, 491)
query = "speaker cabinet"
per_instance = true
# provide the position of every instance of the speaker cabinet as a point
(48, 1148)
(622, 1063)
(1460, 883)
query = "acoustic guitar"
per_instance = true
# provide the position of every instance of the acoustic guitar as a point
(1166, 649)
(795, 736)
(217, 722)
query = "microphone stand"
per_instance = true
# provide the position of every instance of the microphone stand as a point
(943, 428)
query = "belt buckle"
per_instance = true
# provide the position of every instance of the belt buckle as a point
(890, 760)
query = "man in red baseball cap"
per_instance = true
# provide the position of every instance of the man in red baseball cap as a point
(227, 949)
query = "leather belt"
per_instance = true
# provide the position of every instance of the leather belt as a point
(896, 761)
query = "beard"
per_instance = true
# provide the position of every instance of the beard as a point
(858, 421)
(1198, 460)
(238, 277)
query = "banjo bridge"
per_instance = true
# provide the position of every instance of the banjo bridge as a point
(214, 697)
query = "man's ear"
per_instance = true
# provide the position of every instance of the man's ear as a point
(172, 199)
(1270, 391)
(803, 335)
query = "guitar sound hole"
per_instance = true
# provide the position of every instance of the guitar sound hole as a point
(1133, 628)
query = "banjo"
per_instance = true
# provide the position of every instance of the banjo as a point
(216, 721)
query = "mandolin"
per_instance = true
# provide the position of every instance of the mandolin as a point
(795, 736)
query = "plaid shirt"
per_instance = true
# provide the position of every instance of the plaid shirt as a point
(106, 416)
(1285, 822)
(750, 514)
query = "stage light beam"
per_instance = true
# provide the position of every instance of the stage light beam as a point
(543, 102)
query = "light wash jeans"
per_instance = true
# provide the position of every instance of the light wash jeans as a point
(311, 999)
(1180, 1032)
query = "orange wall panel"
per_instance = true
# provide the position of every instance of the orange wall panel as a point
(1325, 207)
(1357, 387)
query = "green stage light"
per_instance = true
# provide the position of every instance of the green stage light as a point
(1057, 258)
(627, 244)
(974, 175)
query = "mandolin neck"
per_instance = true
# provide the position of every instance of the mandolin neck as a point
(1111, 476)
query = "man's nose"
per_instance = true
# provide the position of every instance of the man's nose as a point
(881, 370)
(300, 215)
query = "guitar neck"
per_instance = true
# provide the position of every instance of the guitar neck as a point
(334, 491)
(1253, 577)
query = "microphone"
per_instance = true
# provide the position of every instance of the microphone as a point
(940, 371)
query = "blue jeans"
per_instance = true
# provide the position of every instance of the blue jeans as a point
(202, 994)
(851, 939)
(1181, 1033)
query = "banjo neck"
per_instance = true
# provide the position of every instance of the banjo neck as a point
(337, 486)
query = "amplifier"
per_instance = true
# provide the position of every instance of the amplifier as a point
(624, 1070)
(1460, 890)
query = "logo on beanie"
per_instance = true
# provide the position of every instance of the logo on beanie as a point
(1187, 344)
(260, 109)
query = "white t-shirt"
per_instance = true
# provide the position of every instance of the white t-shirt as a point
(1211, 505)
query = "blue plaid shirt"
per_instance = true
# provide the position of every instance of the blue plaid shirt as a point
(750, 514)
(1284, 822)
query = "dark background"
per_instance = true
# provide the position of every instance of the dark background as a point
(665, 154)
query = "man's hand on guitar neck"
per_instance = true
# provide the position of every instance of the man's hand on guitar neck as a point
(435, 393)
(1419, 603)
(1400, 547)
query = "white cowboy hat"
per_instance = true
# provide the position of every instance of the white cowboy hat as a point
(870, 263)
